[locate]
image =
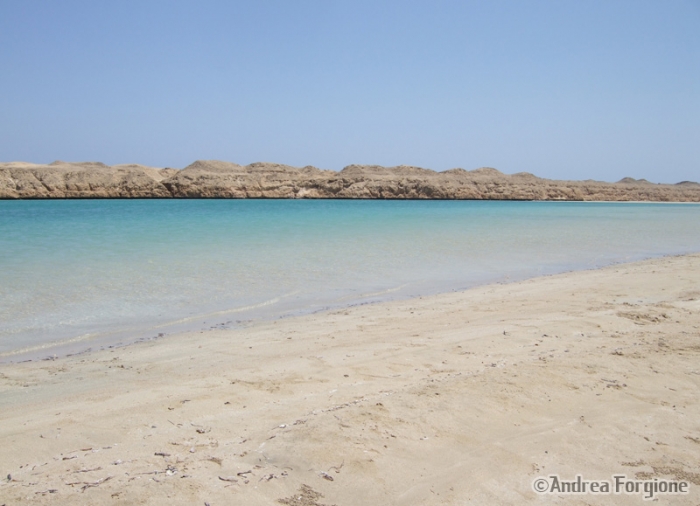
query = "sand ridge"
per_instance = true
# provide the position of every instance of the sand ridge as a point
(451, 399)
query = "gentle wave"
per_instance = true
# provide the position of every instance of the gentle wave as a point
(98, 272)
(226, 311)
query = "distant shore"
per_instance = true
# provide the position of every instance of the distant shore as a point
(465, 396)
(217, 179)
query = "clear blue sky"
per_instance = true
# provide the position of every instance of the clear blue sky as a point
(562, 88)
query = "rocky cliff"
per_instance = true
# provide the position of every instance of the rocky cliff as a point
(81, 180)
(216, 179)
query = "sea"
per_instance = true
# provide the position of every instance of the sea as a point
(78, 275)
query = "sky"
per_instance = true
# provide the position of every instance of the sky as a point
(565, 89)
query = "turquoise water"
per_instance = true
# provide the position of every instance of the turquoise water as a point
(78, 274)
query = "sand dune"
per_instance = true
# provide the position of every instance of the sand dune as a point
(461, 398)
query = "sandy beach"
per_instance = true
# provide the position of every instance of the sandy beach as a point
(460, 398)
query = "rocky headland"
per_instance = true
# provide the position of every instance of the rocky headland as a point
(217, 179)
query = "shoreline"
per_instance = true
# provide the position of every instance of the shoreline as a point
(103, 341)
(441, 399)
(358, 199)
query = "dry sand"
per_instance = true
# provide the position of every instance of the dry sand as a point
(461, 398)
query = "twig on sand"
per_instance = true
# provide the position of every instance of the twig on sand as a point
(49, 491)
(88, 470)
(337, 468)
(89, 484)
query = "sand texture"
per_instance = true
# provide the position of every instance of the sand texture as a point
(460, 398)
(216, 179)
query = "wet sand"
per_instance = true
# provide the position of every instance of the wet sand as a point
(460, 398)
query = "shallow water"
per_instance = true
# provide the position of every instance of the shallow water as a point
(76, 274)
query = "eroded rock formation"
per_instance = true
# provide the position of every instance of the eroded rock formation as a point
(81, 180)
(216, 179)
